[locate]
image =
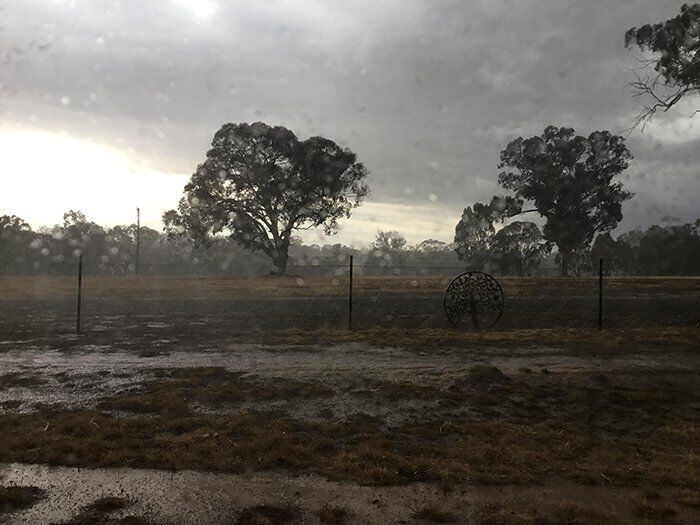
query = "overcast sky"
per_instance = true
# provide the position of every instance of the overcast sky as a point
(106, 105)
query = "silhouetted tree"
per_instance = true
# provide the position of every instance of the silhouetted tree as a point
(670, 250)
(677, 68)
(472, 235)
(569, 178)
(580, 261)
(387, 250)
(15, 238)
(260, 183)
(605, 247)
(518, 247)
(11, 224)
(619, 256)
(432, 246)
(631, 237)
(80, 233)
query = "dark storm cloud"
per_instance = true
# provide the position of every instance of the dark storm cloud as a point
(427, 93)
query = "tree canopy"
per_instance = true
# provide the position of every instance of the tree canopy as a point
(519, 248)
(386, 249)
(676, 42)
(260, 183)
(111, 250)
(570, 181)
(472, 235)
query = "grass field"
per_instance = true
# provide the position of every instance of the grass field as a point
(46, 306)
(242, 386)
(41, 288)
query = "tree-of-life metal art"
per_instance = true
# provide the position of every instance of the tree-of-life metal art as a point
(474, 297)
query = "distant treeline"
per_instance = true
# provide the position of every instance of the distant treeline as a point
(659, 250)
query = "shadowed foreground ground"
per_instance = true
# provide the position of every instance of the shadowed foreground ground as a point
(471, 433)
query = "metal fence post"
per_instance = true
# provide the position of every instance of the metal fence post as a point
(600, 294)
(350, 297)
(80, 290)
(138, 240)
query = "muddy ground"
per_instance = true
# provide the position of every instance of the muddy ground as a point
(350, 433)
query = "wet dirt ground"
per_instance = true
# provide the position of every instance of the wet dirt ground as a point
(39, 378)
(189, 497)
(625, 396)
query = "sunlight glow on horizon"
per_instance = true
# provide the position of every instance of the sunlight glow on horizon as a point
(45, 174)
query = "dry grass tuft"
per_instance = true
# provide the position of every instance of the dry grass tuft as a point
(651, 507)
(489, 451)
(584, 339)
(689, 498)
(506, 513)
(268, 515)
(101, 510)
(480, 374)
(176, 388)
(568, 513)
(333, 515)
(434, 515)
(108, 504)
(19, 497)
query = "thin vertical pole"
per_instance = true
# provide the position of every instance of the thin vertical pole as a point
(80, 292)
(138, 240)
(600, 295)
(350, 297)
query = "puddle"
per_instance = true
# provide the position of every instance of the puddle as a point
(83, 377)
(189, 497)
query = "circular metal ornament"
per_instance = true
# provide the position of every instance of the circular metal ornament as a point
(474, 297)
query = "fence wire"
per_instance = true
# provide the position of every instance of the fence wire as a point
(316, 294)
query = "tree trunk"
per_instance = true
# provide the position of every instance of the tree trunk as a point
(565, 264)
(280, 261)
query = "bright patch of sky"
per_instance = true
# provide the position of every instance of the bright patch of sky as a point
(101, 181)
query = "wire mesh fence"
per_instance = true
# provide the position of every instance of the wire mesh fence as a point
(322, 294)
